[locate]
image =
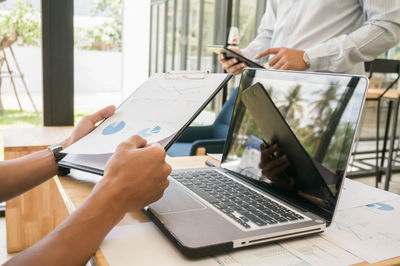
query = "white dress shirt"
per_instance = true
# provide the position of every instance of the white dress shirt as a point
(336, 35)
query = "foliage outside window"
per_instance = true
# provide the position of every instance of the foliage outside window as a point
(107, 35)
(25, 20)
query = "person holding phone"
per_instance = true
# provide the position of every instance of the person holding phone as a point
(327, 36)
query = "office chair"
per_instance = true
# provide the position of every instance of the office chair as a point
(211, 138)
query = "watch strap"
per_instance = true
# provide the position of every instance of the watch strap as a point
(58, 156)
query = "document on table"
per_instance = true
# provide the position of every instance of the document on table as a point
(356, 194)
(318, 251)
(156, 111)
(370, 232)
(270, 254)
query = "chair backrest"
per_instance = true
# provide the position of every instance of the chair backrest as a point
(221, 123)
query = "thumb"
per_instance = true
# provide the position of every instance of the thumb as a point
(101, 114)
(137, 141)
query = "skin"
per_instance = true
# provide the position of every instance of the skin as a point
(284, 59)
(232, 66)
(135, 176)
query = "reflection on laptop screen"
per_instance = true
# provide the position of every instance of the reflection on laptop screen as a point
(322, 111)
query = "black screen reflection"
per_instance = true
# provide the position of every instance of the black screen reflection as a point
(322, 114)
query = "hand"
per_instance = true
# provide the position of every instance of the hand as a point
(232, 65)
(285, 58)
(136, 175)
(87, 124)
(273, 167)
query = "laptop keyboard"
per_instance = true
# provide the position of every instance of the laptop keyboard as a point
(241, 204)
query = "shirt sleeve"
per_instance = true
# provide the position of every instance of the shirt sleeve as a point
(380, 32)
(265, 32)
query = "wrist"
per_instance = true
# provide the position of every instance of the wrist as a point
(306, 59)
(67, 142)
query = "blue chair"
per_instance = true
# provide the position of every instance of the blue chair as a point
(211, 137)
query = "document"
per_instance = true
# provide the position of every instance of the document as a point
(156, 111)
(370, 232)
(318, 251)
(269, 254)
(356, 194)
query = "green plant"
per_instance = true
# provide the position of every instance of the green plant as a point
(106, 36)
(25, 20)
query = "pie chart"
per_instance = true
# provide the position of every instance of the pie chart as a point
(113, 128)
(381, 206)
(149, 131)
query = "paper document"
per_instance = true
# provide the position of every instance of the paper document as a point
(156, 111)
(356, 194)
(370, 232)
(271, 254)
(318, 251)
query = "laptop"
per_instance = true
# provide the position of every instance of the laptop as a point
(312, 118)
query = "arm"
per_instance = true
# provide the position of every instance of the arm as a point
(379, 33)
(135, 176)
(20, 175)
(265, 32)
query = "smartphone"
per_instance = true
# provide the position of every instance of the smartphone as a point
(228, 53)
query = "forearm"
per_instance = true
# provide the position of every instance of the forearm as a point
(22, 174)
(77, 238)
(365, 44)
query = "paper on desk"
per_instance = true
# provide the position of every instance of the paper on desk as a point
(318, 251)
(144, 244)
(271, 254)
(156, 111)
(356, 194)
(370, 232)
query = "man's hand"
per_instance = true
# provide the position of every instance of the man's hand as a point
(273, 167)
(232, 66)
(87, 124)
(136, 175)
(285, 58)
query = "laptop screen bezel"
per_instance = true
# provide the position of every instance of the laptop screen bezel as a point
(246, 81)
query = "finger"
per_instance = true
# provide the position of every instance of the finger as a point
(286, 66)
(221, 58)
(268, 51)
(275, 163)
(101, 114)
(237, 68)
(279, 170)
(279, 64)
(158, 153)
(267, 153)
(137, 141)
(275, 59)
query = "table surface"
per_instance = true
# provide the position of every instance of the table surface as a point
(74, 193)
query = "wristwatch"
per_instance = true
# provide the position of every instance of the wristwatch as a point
(58, 156)
(306, 59)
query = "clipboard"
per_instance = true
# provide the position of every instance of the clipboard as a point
(159, 110)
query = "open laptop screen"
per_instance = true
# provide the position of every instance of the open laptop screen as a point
(322, 110)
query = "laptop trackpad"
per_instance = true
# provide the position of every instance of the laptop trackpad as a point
(175, 199)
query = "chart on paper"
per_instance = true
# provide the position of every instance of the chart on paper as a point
(371, 232)
(156, 111)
